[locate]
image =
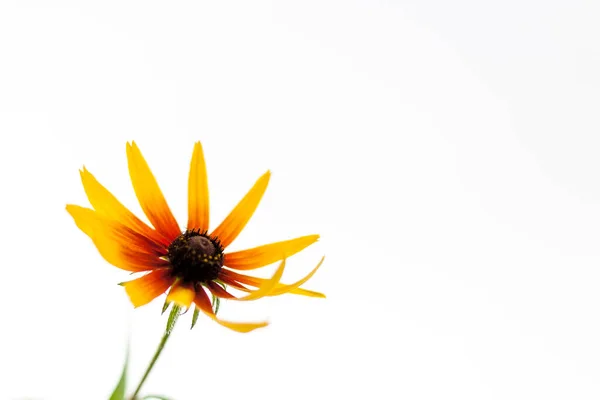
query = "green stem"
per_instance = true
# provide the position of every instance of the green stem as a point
(170, 325)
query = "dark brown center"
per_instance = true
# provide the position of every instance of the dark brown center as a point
(195, 257)
(202, 245)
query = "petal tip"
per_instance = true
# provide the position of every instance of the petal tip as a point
(250, 327)
(85, 174)
(71, 208)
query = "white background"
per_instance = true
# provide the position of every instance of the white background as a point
(446, 151)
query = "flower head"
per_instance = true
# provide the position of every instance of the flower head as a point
(189, 264)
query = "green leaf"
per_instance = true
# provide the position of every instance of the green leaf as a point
(195, 317)
(172, 318)
(216, 303)
(223, 285)
(215, 300)
(119, 392)
(165, 306)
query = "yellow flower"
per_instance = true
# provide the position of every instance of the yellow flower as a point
(189, 263)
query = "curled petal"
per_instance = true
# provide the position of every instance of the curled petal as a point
(236, 285)
(119, 245)
(203, 303)
(198, 201)
(307, 293)
(149, 194)
(236, 280)
(142, 291)
(265, 289)
(282, 289)
(264, 255)
(233, 224)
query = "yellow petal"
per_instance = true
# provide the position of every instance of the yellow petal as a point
(267, 287)
(182, 295)
(203, 303)
(86, 220)
(298, 291)
(142, 291)
(288, 288)
(118, 245)
(149, 194)
(307, 293)
(264, 255)
(231, 227)
(198, 200)
(236, 280)
(241, 327)
(108, 206)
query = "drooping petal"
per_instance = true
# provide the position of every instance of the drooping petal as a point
(299, 291)
(203, 303)
(142, 291)
(234, 279)
(288, 288)
(307, 293)
(237, 219)
(181, 294)
(108, 206)
(264, 255)
(198, 200)
(118, 245)
(149, 194)
(265, 289)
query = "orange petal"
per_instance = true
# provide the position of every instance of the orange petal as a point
(234, 279)
(198, 200)
(142, 291)
(282, 289)
(218, 291)
(203, 303)
(237, 219)
(118, 245)
(267, 286)
(267, 254)
(181, 294)
(307, 293)
(231, 282)
(149, 195)
(108, 206)
(299, 291)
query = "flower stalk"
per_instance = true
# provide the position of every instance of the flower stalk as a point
(175, 312)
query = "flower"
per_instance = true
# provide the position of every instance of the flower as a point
(190, 263)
